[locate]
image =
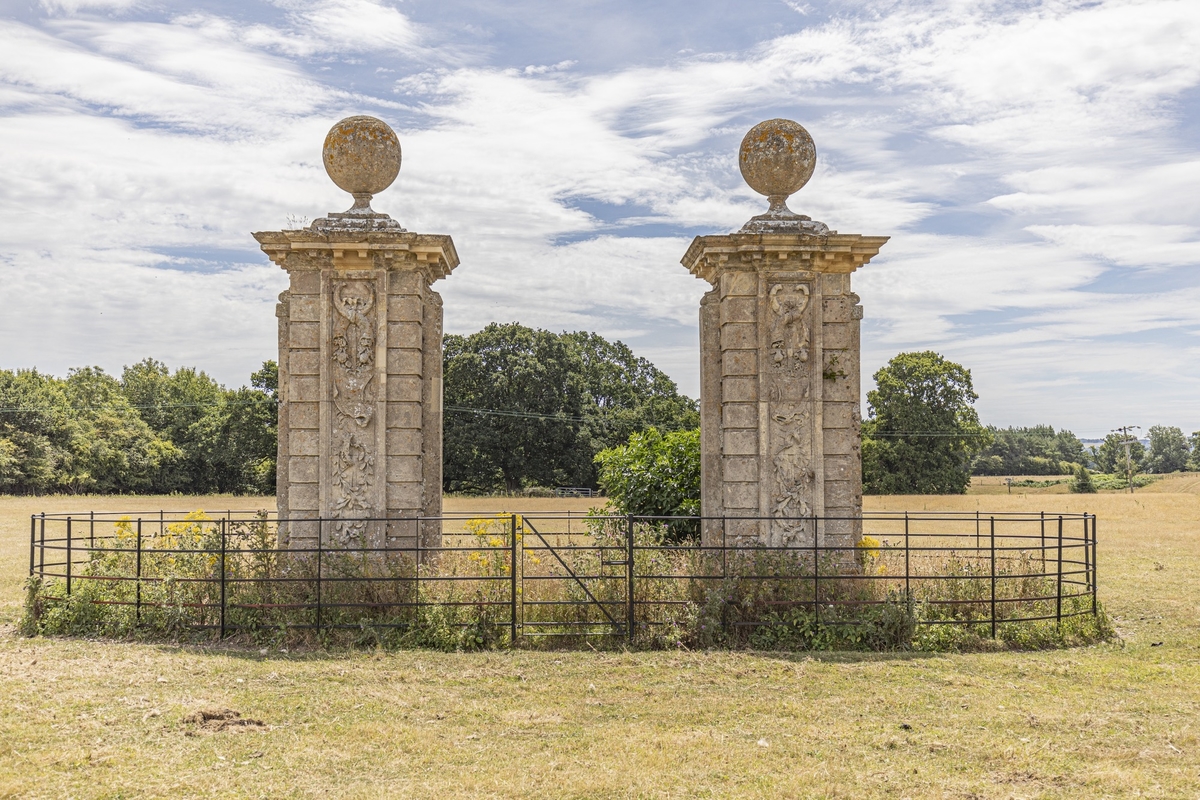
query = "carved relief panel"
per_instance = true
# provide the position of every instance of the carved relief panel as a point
(353, 391)
(789, 324)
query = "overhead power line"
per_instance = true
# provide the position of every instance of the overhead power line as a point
(494, 412)
(158, 406)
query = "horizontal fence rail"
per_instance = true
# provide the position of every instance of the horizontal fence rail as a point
(507, 577)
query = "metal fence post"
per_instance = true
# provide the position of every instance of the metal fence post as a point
(137, 600)
(68, 556)
(1042, 514)
(417, 577)
(512, 578)
(223, 546)
(320, 525)
(42, 546)
(816, 576)
(992, 537)
(32, 541)
(1058, 590)
(629, 600)
(907, 571)
(1095, 578)
(1087, 555)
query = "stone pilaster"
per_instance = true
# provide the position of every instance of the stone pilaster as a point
(780, 436)
(360, 384)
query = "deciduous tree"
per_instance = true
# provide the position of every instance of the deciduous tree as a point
(530, 407)
(655, 475)
(1169, 451)
(923, 432)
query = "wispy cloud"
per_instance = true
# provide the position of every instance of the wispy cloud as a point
(1027, 158)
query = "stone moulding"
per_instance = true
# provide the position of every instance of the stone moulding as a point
(779, 371)
(360, 384)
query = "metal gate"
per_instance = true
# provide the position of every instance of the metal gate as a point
(569, 583)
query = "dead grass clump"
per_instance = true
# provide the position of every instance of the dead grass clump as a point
(215, 720)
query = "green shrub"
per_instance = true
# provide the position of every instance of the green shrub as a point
(656, 475)
(686, 597)
(1083, 483)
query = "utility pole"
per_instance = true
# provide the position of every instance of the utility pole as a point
(1127, 440)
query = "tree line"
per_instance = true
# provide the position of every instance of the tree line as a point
(150, 431)
(524, 409)
(923, 436)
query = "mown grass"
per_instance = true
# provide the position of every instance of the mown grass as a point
(106, 719)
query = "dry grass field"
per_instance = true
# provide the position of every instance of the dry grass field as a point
(110, 719)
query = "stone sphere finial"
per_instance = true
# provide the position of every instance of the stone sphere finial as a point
(362, 156)
(777, 157)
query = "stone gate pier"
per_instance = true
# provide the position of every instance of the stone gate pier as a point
(360, 361)
(779, 362)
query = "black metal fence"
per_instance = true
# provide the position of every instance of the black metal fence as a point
(519, 576)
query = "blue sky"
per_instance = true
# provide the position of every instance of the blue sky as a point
(1036, 164)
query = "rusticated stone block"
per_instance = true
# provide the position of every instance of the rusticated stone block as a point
(738, 282)
(405, 282)
(304, 415)
(404, 469)
(304, 496)
(304, 335)
(305, 308)
(841, 494)
(739, 390)
(740, 496)
(740, 443)
(405, 308)
(837, 336)
(743, 531)
(739, 309)
(837, 309)
(840, 390)
(736, 336)
(306, 282)
(304, 362)
(303, 469)
(405, 495)
(835, 283)
(740, 415)
(840, 415)
(403, 442)
(739, 469)
(842, 467)
(303, 389)
(304, 443)
(739, 362)
(405, 334)
(841, 442)
(404, 389)
(403, 362)
(404, 415)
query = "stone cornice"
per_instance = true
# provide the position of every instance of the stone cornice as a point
(305, 249)
(708, 256)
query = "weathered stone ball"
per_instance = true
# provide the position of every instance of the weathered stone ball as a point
(362, 154)
(777, 157)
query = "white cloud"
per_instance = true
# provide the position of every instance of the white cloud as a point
(1024, 157)
(326, 27)
(75, 6)
(1130, 244)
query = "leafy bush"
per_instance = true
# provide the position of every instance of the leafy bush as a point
(656, 475)
(573, 593)
(1083, 483)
